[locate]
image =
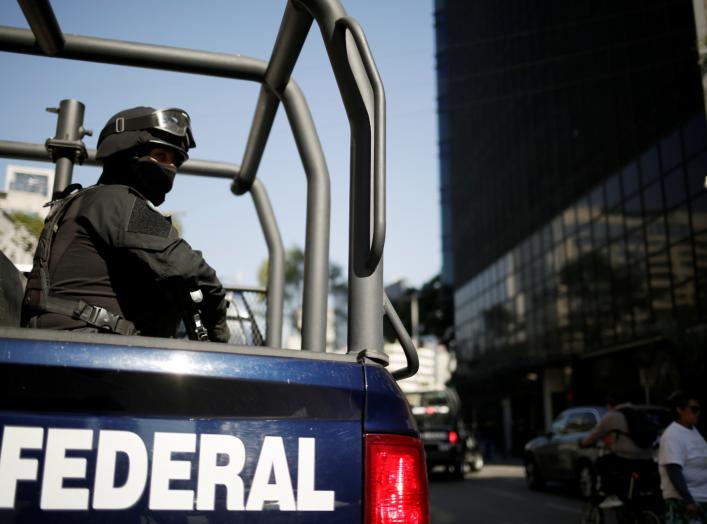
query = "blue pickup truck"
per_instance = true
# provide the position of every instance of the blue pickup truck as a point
(106, 428)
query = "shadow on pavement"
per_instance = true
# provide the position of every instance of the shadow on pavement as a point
(509, 473)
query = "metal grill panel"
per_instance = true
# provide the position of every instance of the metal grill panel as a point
(246, 316)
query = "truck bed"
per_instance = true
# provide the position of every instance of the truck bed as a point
(96, 430)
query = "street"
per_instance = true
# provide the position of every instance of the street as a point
(498, 495)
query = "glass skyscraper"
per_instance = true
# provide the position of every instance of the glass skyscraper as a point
(573, 157)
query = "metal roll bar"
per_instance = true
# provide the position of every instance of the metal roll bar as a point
(364, 101)
(378, 237)
(276, 250)
(41, 19)
(315, 285)
(350, 70)
(413, 363)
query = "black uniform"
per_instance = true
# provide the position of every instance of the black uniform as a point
(114, 250)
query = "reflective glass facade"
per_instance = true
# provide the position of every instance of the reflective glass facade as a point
(573, 156)
(626, 261)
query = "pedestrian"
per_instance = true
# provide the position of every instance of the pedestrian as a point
(682, 458)
(107, 259)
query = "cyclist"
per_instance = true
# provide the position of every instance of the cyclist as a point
(624, 457)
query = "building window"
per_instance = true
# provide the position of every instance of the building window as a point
(30, 184)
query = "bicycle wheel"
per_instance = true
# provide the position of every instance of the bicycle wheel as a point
(592, 514)
(648, 517)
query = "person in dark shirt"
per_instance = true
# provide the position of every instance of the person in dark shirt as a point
(107, 259)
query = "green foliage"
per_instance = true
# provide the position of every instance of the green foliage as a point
(294, 277)
(294, 272)
(33, 223)
(435, 299)
(435, 311)
(436, 303)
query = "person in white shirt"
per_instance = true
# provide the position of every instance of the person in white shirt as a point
(682, 458)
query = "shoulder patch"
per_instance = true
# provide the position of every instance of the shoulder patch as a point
(147, 221)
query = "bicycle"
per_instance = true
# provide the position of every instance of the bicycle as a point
(643, 504)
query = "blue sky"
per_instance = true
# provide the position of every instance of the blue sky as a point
(225, 227)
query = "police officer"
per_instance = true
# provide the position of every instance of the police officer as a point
(107, 259)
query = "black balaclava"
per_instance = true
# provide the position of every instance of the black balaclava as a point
(150, 178)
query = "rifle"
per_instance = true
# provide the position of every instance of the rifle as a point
(192, 319)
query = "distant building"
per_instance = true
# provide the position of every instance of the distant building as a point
(27, 189)
(573, 156)
(436, 362)
(436, 365)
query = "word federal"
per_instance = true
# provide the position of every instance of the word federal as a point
(219, 462)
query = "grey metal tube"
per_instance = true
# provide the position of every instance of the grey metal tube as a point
(38, 152)
(41, 19)
(222, 65)
(288, 44)
(63, 172)
(24, 151)
(247, 289)
(276, 250)
(151, 56)
(293, 31)
(378, 234)
(413, 362)
(316, 267)
(208, 168)
(276, 264)
(263, 119)
(365, 283)
(68, 127)
(154, 57)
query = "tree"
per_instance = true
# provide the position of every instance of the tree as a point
(436, 305)
(294, 273)
(294, 277)
(435, 301)
(33, 223)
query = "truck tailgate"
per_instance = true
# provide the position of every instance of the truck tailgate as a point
(96, 432)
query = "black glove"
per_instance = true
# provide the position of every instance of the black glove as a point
(219, 332)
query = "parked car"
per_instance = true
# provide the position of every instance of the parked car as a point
(448, 442)
(557, 455)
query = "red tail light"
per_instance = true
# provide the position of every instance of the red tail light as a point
(395, 481)
(453, 437)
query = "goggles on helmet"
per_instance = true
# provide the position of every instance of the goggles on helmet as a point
(173, 121)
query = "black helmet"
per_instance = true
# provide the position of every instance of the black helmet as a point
(146, 125)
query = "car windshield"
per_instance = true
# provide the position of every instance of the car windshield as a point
(431, 408)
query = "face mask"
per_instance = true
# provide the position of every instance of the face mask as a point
(153, 179)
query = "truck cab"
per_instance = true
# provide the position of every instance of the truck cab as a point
(98, 427)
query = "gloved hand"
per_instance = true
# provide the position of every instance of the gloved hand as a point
(219, 331)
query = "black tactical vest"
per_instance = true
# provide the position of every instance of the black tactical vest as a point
(39, 299)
